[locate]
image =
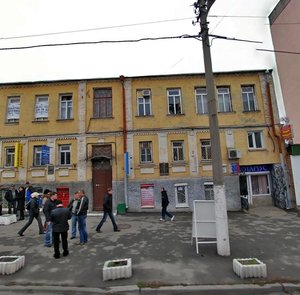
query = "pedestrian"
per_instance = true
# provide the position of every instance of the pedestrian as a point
(107, 211)
(10, 197)
(21, 201)
(34, 212)
(48, 207)
(73, 208)
(82, 209)
(28, 192)
(164, 205)
(45, 197)
(59, 217)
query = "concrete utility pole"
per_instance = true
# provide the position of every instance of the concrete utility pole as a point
(201, 8)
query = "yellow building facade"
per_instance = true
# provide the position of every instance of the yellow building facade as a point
(138, 134)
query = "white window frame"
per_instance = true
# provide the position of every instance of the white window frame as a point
(174, 100)
(201, 100)
(144, 103)
(37, 155)
(178, 151)
(66, 106)
(253, 134)
(185, 187)
(224, 99)
(249, 98)
(145, 152)
(205, 149)
(13, 109)
(64, 154)
(41, 107)
(9, 156)
(208, 191)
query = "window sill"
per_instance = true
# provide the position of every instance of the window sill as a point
(144, 116)
(103, 118)
(41, 121)
(179, 163)
(254, 111)
(256, 149)
(12, 122)
(63, 120)
(174, 115)
(146, 165)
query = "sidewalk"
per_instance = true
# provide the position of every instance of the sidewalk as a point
(161, 252)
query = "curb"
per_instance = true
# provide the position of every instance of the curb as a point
(133, 289)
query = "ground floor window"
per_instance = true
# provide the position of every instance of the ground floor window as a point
(208, 191)
(181, 195)
(260, 184)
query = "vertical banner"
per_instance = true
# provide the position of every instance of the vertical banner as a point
(18, 160)
(147, 196)
(45, 155)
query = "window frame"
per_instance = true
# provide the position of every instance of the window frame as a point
(37, 102)
(66, 153)
(66, 106)
(13, 109)
(206, 154)
(173, 98)
(37, 156)
(9, 160)
(186, 195)
(102, 103)
(208, 191)
(254, 140)
(144, 108)
(201, 101)
(224, 99)
(251, 103)
(178, 151)
(145, 152)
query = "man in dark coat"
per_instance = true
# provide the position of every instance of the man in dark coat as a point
(21, 202)
(60, 227)
(10, 197)
(34, 212)
(107, 209)
(48, 207)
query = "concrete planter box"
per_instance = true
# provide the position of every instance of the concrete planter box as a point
(249, 268)
(8, 219)
(11, 264)
(117, 269)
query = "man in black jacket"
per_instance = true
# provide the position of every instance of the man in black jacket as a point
(60, 226)
(10, 197)
(81, 211)
(48, 207)
(107, 209)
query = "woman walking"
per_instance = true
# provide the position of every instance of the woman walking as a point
(164, 205)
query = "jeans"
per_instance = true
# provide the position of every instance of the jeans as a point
(48, 234)
(164, 212)
(111, 216)
(83, 235)
(74, 224)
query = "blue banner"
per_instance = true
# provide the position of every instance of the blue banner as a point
(45, 155)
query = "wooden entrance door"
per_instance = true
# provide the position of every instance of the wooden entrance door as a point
(102, 174)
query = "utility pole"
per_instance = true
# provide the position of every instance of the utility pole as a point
(222, 234)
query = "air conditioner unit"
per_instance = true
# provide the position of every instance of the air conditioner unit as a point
(234, 154)
(146, 92)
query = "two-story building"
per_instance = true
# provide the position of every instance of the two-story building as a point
(138, 134)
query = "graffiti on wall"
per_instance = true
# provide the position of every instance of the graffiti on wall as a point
(279, 187)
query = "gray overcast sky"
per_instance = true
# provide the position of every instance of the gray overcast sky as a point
(31, 17)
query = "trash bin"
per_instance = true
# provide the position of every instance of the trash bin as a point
(121, 209)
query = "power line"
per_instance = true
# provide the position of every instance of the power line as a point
(279, 51)
(121, 26)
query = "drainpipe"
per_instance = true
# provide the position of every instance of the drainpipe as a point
(279, 142)
(122, 80)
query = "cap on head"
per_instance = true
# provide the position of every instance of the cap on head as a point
(35, 195)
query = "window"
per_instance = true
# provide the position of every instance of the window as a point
(255, 140)
(224, 99)
(177, 148)
(37, 155)
(163, 169)
(201, 100)
(145, 152)
(249, 100)
(65, 154)
(144, 102)
(41, 107)
(181, 195)
(205, 149)
(260, 184)
(174, 101)
(66, 106)
(208, 191)
(103, 103)
(9, 156)
(13, 109)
